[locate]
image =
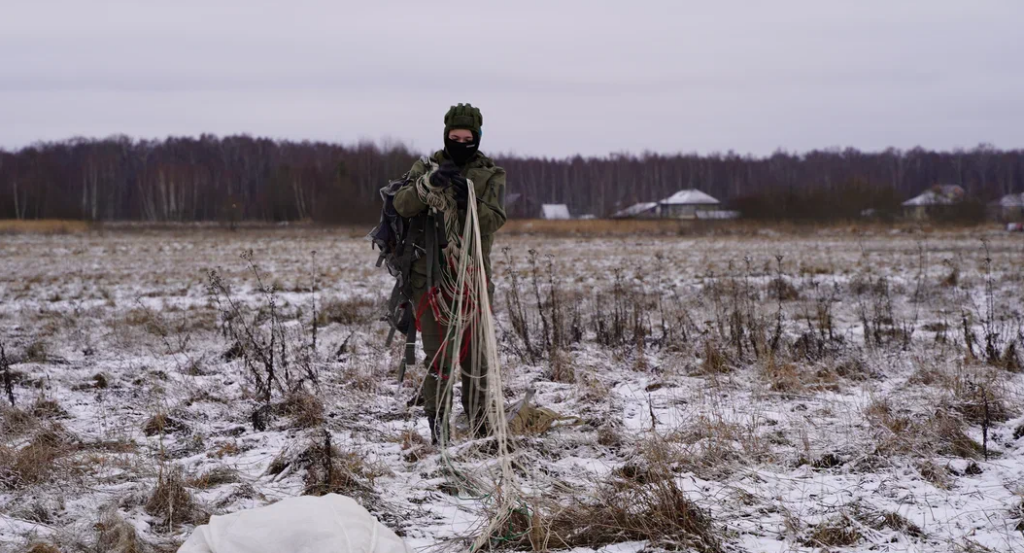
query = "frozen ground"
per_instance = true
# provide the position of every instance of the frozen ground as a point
(840, 391)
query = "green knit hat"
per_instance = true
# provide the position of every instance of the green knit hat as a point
(463, 116)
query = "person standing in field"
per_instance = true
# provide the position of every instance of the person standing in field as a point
(458, 165)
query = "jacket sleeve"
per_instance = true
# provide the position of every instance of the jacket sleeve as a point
(407, 202)
(491, 206)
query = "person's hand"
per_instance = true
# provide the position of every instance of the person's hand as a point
(461, 188)
(442, 177)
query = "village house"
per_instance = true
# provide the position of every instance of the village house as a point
(938, 199)
(686, 204)
(555, 212)
(1009, 208)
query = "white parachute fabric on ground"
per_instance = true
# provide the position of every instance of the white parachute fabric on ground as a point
(332, 523)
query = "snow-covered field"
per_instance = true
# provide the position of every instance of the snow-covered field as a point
(834, 391)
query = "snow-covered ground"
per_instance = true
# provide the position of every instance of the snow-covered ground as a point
(809, 391)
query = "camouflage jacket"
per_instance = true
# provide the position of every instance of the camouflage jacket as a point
(489, 185)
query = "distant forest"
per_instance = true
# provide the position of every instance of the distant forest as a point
(238, 178)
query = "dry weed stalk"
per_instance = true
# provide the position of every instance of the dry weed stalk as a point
(258, 337)
(5, 372)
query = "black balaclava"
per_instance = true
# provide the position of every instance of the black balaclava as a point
(463, 116)
(461, 153)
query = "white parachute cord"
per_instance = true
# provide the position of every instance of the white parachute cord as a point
(507, 491)
(463, 302)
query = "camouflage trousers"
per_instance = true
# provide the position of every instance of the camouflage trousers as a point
(437, 398)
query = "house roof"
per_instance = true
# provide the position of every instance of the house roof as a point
(635, 209)
(689, 197)
(555, 211)
(940, 194)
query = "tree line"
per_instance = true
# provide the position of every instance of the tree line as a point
(237, 178)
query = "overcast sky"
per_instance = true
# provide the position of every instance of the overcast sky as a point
(553, 78)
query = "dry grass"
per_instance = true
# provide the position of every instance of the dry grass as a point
(213, 478)
(936, 475)
(347, 311)
(48, 409)
(162, 423)
(940, 433)
(36, 351)
(43, 226)
(837, 532)
(650, 508)
(45, 457)
(14, 422)
(173, 503)
(702, 363)
(41, 548)
(977, 400)
(329, 470)
(115, 535)
(670, 227)
(783, 377)
(598, 227)
(303, 408)
(716, 358)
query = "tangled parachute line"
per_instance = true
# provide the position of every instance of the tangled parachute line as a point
(461, 304)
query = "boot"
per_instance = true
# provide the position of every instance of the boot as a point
(432, 423)
(437, 429)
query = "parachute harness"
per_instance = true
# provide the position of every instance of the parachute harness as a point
(460, 302)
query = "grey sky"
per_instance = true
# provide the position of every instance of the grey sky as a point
(553, 78)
